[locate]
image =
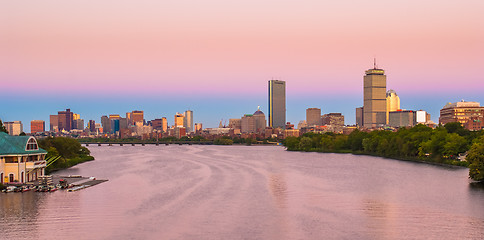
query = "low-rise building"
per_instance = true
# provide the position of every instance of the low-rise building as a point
(402, 118)
(469, 114)
(21, 159)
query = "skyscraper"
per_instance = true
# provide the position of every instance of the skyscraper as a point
(188, 121)
(37, 126)
(54, 123)
(179, 120)
(277, 104)
(374, 98)
(137, 117)
(313, 117)
(393, 103)
(65, 119)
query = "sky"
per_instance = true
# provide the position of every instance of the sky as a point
(215, 57)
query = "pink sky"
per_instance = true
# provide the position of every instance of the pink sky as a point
(220, 47)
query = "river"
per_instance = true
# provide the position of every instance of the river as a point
(249, 192)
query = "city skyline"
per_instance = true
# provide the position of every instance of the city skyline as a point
(199, 54)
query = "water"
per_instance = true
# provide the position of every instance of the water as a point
(240, 192)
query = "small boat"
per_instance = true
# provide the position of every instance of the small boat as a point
(77, 188)
(25, 189)
(52, 188)
(9, 189)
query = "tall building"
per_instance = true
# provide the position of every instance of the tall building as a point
(393, 103)
(333, 119)
(137, 117)
(14, 128)
(54, 123)
(37, 126)
(179, 120)
(235, 123)
(313, 117)
(198, 127)
(188, 121)
(277, 104)
(92, 126)
(65, 119)
(469, 114)
(159, 124)
(78, 124)
(374, 98)
(359, 117)
(402, 118)
(106, 124)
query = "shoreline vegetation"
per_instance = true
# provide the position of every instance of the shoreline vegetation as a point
(451, 144)
(69, 150)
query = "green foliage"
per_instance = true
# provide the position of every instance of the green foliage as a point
(456, 127)
(70, 151)
(223, 141)
(2, 128)
(475, 157)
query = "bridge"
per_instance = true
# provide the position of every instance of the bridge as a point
(147, 143)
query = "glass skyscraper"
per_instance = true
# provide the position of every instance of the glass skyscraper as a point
(277, 104)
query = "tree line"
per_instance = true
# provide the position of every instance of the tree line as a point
(69, 150)
(444, 144)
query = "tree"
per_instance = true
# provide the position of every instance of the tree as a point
(2, 128)
(305, 144)
(475, 157)
(454, 145)
(292, 143)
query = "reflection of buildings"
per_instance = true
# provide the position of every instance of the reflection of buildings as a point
(21, 159)
(469, 114)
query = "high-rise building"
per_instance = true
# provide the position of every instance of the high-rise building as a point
(313, 117)
(359, 117)
(106, 124)
(78, 124)
(92, 126)
(14, 128)
(128, 118)
(277, 104)
(137, 117)
(159, 124)
(37, 126)
(402, 118)
(374, 98)
(65, 120)
(188, 121)
(198, 127)
(393, 102)
(179, 120)
(333, 119)
(253, 123)
(54, 123)
(76, 116)
(235, 123)
(469, 114)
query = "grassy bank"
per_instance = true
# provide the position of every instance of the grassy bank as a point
(69, 151)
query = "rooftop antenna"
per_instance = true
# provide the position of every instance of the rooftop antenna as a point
(374, 63)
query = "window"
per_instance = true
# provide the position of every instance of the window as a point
(32, 144)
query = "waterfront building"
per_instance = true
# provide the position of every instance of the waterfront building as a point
(92, 126)
(188, 121)
(393, 102)
(198, 127)
(54, 123)
(21, 159)
(469, 114)
(359, 117)
(37, 126)
(14, 128)
(313, 116)
(277, 104)
(179, 120)
(65, 120)
(180, 132)
(291, 133)
(235, 123)
(114, 125)
(402, 118)
(333, 119)
(374, 98)
(157, 124)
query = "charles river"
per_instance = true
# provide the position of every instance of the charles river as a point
(249, 192)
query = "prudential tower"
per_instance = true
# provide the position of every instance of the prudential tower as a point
(374, 97)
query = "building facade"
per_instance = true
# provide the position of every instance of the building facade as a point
(402, 118)
(393, 103)
(359, 117)
(188, 121)
(253, 123)
(14, 128)
(37, 126)
(313, 117)
(179, 120)
(277, 104)
(137, 117)
(21, 159)
(374, 98)
(333, 119)
(469, 114)
(65, 119)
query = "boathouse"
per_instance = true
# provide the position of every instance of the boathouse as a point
(21, 159)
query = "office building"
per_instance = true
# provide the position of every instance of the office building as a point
(54, 123)
(65, 119)
(333, 119)
(14, 128)
(374, 98)
(92, 126)
(198, 127)
(469, 114)
(179, 120)
(313, 116)
(235, 123)
(78, 124)
(188, 121)
(402, 118)
(359, 117)
(393, 102)
(254, 123)
(159, 124)
(37, 126)
(277, 104)
(106, 124)
(137, 117)
(422, 117)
